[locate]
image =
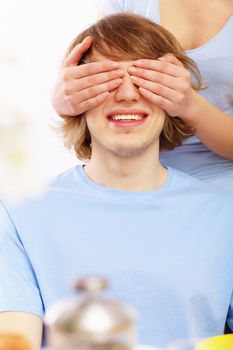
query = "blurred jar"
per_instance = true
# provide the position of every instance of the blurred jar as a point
(91, 321)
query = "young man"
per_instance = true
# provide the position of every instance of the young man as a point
(161, 237)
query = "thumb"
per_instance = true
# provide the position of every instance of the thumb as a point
(77, 52)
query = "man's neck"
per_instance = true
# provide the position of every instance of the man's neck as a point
(143, 173)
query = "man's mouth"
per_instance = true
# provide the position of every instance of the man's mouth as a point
(127, 119)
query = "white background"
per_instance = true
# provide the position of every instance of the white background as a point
(34, 36)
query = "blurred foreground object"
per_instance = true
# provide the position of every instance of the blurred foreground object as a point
(10, 341)
(91, 321)
(221, 342)
(21, 160)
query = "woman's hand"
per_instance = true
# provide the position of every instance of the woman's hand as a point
(80, 88)
(164, 82)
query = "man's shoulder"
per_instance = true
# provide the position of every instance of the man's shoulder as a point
(69, 178)
(59, 186)
(190, 186)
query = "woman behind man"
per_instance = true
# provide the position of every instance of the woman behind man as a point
(207, 155)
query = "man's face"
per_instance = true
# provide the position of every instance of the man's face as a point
(126, 124)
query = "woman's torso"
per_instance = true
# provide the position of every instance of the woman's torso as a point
(205, 30)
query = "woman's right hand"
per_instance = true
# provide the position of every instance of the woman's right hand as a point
(80, 88)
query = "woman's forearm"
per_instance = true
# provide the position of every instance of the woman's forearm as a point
(213, 127)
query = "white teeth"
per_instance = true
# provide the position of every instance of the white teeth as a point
(126, 117)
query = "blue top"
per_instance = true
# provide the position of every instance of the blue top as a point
(167, 252)
(215, 62)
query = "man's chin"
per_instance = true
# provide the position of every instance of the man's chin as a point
(125, 149)
(128, 152)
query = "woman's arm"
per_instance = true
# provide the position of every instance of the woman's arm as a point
(213, 127)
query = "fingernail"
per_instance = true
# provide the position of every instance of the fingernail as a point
(121, 71)
(117, 81)
(141, 89)
(132, 70)
(87, 37)
(139, 62)
(113, 64)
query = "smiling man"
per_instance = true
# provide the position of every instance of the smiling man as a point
(125, 132)
(162, 238)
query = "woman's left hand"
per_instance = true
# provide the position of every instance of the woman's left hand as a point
(164, 82)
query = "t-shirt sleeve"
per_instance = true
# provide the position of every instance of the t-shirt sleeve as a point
(107, 7)
(19, 290)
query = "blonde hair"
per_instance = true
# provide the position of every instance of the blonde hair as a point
(126, 36)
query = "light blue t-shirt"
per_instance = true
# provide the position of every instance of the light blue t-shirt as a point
(215, 62)
(166, 252)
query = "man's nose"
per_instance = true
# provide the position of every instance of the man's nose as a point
(127, 91)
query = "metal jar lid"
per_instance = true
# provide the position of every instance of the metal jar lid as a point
(92, 316)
